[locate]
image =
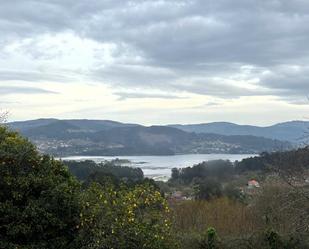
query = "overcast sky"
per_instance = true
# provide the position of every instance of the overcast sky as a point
(155, 62)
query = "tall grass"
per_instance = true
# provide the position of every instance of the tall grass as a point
(230, 218)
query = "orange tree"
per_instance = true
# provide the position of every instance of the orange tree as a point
(124, 218)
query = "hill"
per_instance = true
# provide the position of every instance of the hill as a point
(293, 131)
(82, 124)
(96, 137)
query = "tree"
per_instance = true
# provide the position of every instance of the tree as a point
(124, 218)
(175, 173)
(208, 189)
(39, 199)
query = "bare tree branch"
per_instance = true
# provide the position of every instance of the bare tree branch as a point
(3, 116)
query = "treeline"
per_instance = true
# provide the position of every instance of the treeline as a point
(207, 180)
(109, 172)
(214, 179)
(222, 170)
(217, 169)
(85, 169)
(286, 160)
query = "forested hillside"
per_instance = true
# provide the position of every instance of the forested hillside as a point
(93, 137)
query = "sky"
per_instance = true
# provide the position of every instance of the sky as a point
(155, 61)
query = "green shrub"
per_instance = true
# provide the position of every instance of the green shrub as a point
(211, 241)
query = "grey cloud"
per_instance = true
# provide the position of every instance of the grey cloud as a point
(177, 32)
(139, 95)
(219, 89)
(198, 82)
(255, 32)
(210, 104)
(296, 100)
(34, 76)
(289, 81)
(134, 75)
(6, 90)
(183, 45)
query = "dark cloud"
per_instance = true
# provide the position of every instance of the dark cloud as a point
(197, 46)
(292, 78)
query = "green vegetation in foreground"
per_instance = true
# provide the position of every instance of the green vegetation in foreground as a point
(43, 206)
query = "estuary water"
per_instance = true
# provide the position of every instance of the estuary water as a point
(159, 167)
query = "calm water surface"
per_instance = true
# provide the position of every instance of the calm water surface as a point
(159, 167)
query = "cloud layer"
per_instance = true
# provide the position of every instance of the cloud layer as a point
(218, 50)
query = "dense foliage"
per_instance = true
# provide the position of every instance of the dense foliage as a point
(43, 206)
(136, 218)
(218, 169)
(292, 160)
(83, 169)
(39, 199)
(206, 179)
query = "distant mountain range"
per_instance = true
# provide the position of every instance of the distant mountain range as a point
(105, 137)
(294, 131)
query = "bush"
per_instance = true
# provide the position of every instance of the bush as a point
(211, 240)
